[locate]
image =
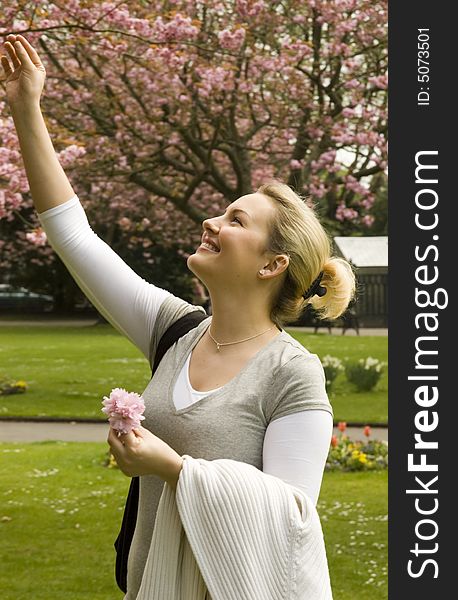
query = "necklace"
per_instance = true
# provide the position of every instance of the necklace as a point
(218, 344)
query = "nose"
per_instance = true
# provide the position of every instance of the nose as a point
(210, 224)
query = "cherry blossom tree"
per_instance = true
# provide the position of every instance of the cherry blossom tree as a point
(162, 112)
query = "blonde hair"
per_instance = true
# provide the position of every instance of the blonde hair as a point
(297, 232)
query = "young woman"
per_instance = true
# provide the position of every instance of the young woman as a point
(237, 386)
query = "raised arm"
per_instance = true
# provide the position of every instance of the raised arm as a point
(25, 77)
(126, 300)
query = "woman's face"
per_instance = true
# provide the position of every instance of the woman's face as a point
(233, 245)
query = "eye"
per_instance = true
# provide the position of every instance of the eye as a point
(238, 220)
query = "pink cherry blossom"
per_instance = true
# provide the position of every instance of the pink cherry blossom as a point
(352, 84)
(367, 220)
(380, 82)
(344, 213)
(250, 8)
(296, 164)
(124, 409)
(125, 223)
(37, 237)
(174, 87)
(232, 40)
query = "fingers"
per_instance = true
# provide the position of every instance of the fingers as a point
(21, 52)
(128, 439)
(113, 440)
(6, 66)
(22, 55)
(117, 441)
(30, 51)
(12, 54)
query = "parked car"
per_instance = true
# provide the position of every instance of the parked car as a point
(19, 299)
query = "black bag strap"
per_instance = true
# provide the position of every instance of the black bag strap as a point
(124, 540)
(126, 533)
(177, 330)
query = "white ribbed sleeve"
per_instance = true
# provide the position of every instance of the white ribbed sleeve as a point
(232, 532)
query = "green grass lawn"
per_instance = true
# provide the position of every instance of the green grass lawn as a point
(353, 508)
(60, 510)
(70, 369)
(348, 404)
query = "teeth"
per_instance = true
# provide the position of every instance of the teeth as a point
(210, 246)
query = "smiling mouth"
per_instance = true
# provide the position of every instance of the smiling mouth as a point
(209, 247)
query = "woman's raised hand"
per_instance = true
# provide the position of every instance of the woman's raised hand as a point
(23, 72)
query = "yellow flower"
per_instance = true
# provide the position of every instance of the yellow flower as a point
(21, 384)
(355, 454)
(112, 462)
(362, 458)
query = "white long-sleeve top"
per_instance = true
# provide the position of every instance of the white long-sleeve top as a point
(295, 446)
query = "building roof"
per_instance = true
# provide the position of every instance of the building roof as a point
(371, 251)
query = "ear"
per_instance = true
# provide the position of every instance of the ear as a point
(275, 267)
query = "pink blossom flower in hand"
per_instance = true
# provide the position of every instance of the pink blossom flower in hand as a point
(124, 410)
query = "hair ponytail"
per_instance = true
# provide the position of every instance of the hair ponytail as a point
(339, 281)
(297, 232)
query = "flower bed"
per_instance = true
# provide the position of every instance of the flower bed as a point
(347, 455)
(10, 386)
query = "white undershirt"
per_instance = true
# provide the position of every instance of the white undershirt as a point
(295, 447)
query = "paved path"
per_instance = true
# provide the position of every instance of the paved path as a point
(27, 431)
